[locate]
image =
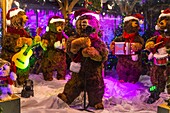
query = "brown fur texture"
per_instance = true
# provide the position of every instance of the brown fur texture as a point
(159, 74)
(54, 59)
(91, 64)
(127, 69)
(14, 40)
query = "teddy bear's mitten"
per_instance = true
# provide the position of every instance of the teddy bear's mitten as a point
(112, 46)
(92, 53)
(149, 45)
(79, 43)
(136, 47)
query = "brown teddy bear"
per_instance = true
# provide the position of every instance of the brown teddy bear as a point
(159, 53)
(129, 66)
(54, 44)
(88, 53)
(15, 39)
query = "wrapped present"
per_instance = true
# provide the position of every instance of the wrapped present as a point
(123, 48)
(10, 106)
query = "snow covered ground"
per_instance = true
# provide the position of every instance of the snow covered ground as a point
(118, 97)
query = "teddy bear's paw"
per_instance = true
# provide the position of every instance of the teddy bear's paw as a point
(63, 97)
(99, 106)
(149, 45)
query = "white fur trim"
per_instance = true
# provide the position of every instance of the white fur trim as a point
(130, 18)
(134, 57)
(13, 76)
(150, 56)
(47, 28)
(58, 45)
(15, 12)
(97, 16)
(75, 67)
(162, 15)
(8, 22)
(57, 20)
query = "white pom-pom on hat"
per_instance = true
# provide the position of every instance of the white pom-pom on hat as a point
(165, 12)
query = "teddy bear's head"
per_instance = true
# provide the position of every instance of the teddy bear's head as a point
(87, 22)
(132, 23)
(4, 68)
(16, 17)
(56, 24)
(163, 22)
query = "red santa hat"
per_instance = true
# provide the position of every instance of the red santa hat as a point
(136, 16)
(164, 13)
(53, 20)
(12, 12)
(82, 12)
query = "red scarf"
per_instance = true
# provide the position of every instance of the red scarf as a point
(129, 36)
(59, 37)
(22, 32)
(7, 80)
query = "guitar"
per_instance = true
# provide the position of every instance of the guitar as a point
(21, 59)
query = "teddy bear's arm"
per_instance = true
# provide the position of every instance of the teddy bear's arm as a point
(98, 52)
(150, 43)
(79, 43)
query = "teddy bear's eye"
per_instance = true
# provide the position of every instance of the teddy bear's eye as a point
(4, 68)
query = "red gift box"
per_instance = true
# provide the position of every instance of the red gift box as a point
(123, 48)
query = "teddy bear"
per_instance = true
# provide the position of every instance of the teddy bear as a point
(88, 53)
(7, 78)
(129, 64)
(15, 39)
(54, 44)
(159, 52)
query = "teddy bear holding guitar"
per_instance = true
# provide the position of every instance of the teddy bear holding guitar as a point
(17, 43)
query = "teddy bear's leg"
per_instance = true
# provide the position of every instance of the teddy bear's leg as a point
(61, 69)
(133, 75)
(159, 80)
(122, 74)
(72, 89)
(60, 65)
(22, 75)
(48, 76)
(95, 91)
(47, 69)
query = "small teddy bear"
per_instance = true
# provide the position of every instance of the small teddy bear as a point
(54, 44)
(7, 78)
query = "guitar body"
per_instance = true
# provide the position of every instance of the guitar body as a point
(20, 59)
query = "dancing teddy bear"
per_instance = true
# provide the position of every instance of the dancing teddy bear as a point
(7, 78)
(129, 66)
(54, 44)
(88, 53)
(159, 53)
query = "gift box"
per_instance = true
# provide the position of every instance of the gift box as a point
(123, 48)
(10, 106)
(163, 108)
